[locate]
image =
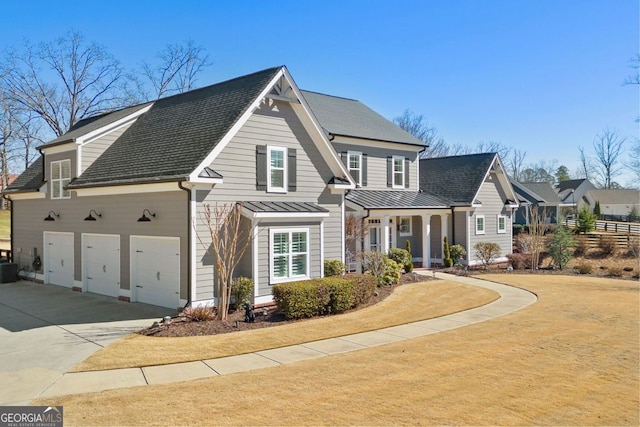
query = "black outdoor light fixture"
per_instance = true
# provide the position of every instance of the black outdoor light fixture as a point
(91, 217)
(144, 217)
(51, 218)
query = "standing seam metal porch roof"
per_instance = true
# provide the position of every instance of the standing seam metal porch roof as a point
(381, 199)
(284, 207)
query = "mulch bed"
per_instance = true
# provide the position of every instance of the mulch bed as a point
(183, 327)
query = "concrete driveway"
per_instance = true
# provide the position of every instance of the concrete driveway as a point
(45, 330)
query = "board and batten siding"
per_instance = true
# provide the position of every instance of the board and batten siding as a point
(94, 149)
(377, 164)
(120, 215)
(493, 204)
(276, 124)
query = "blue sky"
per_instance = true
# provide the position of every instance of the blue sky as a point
(543, 76)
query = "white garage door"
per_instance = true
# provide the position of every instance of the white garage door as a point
(101, 264)
(155, 270)
(58, 258)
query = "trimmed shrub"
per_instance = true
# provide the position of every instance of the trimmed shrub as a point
(334, 267)
(401, 256)
(457, 253)
(584, 268)
(607, 245)
(391, 275)
(447, 261)
(408, 268)
(365, 287)
(309, 298)
(520, 261)
(525, 243)
(242, 289)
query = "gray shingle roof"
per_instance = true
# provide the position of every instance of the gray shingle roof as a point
(380, 199)
(544, 190)
(524, 194)
(177, 133)
(455, 178)
(568, 184)
(30, 180)
(348, 117)
(284, 207)
(90, 124)
(615, 196)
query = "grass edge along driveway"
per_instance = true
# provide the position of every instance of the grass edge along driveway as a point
(408, 303)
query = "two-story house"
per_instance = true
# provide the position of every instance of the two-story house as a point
(115, 206)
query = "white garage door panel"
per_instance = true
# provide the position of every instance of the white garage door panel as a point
(101, 255)
(58, 254)
(156, 271)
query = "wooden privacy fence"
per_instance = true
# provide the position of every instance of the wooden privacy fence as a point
(625, 228)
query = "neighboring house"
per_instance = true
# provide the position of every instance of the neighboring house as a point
(614, 203)
(480, 198)
(115, 205)
(538, 195)
(570, 192)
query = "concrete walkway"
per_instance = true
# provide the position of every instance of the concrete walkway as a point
(511, 299)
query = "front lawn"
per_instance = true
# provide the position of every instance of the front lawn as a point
(570, 359)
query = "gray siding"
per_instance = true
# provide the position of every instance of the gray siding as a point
(119, 216)
(91, 151)
(436, 236)
(377, 164)
(460, 230)
(54, 158)
(275, 124)
(493, 199)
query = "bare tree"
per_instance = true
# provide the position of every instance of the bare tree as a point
(229, 241)
(541, 171)
(633, 162)
(633, 79)
(355, 231)
(608, 148)
(63, 81)
(8, 131)
(493, 147)
(418, 126)
(585, 170)
(516, 163)
(176, 70)
(536, 232)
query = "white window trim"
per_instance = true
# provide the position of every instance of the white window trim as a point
(405, 233)
(484, 224)
(272, 232)
(270, 188)
(61, 179)
(504, 230)
(359, 155)
(393, 171)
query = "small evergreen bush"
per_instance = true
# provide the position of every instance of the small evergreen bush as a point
(242, 289)
(447, 261)
(365, 287)
(561, 246)
(334, 267)
(586, 221)
(408, 268)
(391, 275)
(457, 253)
(401, 256)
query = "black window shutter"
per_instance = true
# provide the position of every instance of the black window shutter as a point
(364, 170)
(292, 169)
(406, 173)
(261, 167)
(389, 171)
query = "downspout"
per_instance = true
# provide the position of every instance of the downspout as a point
(189, 236)
(10, 257)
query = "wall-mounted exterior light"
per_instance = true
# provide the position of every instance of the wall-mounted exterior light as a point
(51, 218)
(91, 217)
(144, 217)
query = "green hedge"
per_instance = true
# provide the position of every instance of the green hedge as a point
(309, 298)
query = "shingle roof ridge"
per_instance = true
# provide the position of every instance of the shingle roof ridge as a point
(331, 96)
(460, 155)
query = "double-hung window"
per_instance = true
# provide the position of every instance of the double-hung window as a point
(354, 165)
(277, 169)
(60, 177)
(289, 249)
(398, 172)
(480, 226)
(502, 224)
(405, 226)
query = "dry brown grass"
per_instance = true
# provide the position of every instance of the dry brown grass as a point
(408, 303)
(569, 359)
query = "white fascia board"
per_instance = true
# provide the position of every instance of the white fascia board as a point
(339, 188)
(193, 176)
(205, 181)
(317, 133)
(396, 146)
(375, 212)
(62, 148)
(95, 134)
(127, 189)
(502, 177)
(26, 196)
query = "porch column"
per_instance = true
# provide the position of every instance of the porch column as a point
(426, 240)
(386, 244)
(444, 224)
